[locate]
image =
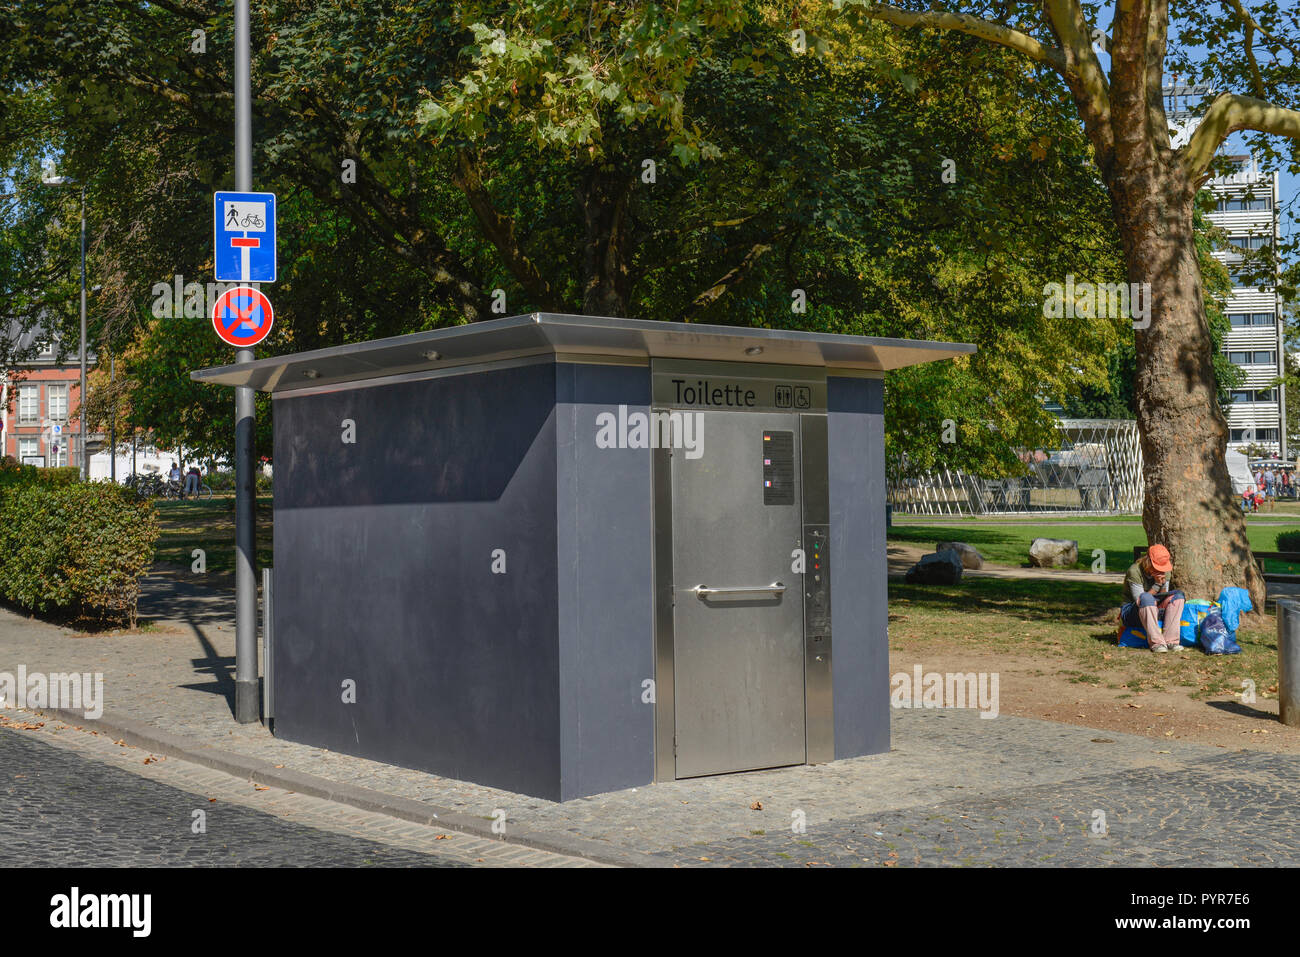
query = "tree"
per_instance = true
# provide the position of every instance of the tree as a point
(823, 172)
(1116, 400)
(1152, 184)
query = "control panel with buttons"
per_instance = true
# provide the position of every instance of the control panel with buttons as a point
(817, 582)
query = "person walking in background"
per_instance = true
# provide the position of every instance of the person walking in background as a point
(191, 482)
(1269, 479)
(1147, 594)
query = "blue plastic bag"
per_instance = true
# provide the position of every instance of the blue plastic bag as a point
(1194, 613)
(1232, 602)
(1215, 637)
(1133, 638)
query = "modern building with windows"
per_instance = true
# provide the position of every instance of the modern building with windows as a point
(36, 403)
(1246, 210)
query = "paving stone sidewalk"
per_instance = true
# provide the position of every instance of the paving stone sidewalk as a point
(955, 789)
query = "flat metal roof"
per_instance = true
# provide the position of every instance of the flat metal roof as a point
(541, 333)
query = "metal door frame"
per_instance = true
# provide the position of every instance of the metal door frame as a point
(818, 714)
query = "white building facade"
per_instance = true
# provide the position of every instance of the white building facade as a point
(1247, 211)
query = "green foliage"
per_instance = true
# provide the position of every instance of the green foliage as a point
(1288, 541)
(12, 473)
(78, 548)
(515, 160)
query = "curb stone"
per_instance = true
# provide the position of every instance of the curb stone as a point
(141, 735)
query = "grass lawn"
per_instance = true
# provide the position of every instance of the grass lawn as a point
(1071, 625)
(1009, 544)
(209, 525)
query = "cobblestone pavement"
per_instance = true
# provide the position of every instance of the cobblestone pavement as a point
(70, 798)
(1027, 787)
(1229, 811)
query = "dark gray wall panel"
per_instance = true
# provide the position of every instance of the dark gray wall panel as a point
(432, 440)
(859, 589)
(383, 575)
(605, 582)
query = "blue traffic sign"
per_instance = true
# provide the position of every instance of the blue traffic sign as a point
(244, 236)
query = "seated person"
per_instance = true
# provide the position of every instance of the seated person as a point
(1147, 594)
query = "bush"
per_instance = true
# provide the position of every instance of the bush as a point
(221, 481)
(224, 481)
(80, 548)
(1288, 541)
(12, 473)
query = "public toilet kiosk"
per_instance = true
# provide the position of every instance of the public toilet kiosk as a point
(563, 555)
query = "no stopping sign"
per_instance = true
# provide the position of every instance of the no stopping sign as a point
(242, 316)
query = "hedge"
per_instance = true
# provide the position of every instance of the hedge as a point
(11, 473)
(224, 481)
(1288, 541)
(80, 548)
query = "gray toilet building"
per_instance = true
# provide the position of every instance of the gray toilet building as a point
(562, 555)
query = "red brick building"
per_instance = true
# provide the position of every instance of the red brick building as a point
(37, 404)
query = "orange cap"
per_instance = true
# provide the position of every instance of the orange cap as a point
(1160, 559)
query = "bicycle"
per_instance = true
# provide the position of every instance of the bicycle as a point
(204, 492)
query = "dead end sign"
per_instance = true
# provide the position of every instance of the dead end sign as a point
(242, 317)
(243, 237)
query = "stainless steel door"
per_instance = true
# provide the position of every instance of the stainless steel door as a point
(738, 646)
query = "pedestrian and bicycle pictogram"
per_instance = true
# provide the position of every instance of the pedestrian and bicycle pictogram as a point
(242, 316)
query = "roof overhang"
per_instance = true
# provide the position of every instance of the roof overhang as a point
(576, 337)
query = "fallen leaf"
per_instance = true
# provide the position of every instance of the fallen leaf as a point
(756, 806)
(442, 837)
(260, 787)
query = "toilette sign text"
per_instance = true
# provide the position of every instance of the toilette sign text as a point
(703, 392)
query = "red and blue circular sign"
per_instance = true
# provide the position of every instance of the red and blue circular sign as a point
(242, 316)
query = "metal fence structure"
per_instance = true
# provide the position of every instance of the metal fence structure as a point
(1097, 470)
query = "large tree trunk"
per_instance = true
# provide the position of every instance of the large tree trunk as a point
(1189, 504)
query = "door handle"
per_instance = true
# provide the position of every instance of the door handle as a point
(776, 589)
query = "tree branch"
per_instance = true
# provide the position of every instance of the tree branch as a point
(500, 231)
(1157, 44)
(1256, 81)
(732, 277)
(1229, 113)
(1083, 74)
(962, 23)
(1129, 81)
